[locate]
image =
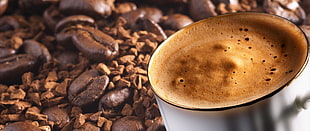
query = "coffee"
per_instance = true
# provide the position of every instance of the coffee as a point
(227, 60)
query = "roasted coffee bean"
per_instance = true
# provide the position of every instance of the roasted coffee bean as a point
(67, 57)
(87, 88)
(11, 68)
(132, 16)
(65, 39)
(5, 52)
(51, 17)
(152, 26)
(77, 21)
(95, 44)
(21, 126)
(128, 123)
(289, 9)
(200, 9)
(56, 114)
(3, 6)
(305, 5)
(37, 49)
(32, 6)
(114, 98)
(151, 13)
(125, 7)
(8, 23)
(176, 21)
(94, 8)
(157, 125)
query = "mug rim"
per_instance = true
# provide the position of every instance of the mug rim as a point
(247, 103)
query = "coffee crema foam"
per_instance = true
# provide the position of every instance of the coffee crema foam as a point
(228, 61)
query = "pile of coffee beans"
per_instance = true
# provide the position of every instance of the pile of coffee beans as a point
(82, 64)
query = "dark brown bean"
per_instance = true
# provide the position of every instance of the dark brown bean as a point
(3, 6)
(176, 21)
(5, 52)
(152, 26)
(75, 20)
(285, 9)
(94, 8)
(11, 68)
(56, 114)
(125, 7)
(305, 5)
(32, 6)
(200, 9)
(37, 49)
(51, 17)
(8, 23)
(128, 123)
(150, 13)
(95, 44)
(21, 126)
(158, 125)
(114, 98)
(87, 88)
(67, 57)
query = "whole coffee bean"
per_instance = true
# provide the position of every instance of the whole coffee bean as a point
(51, 17)
(125, 7)
(285, 9)
(37, 49)
(128, 123)
(21, 126)
(67, 28)
(151, 26)
(32, 6)
(176, 21)
(11, 68)
(8, 23)
(157, 125)
(3, 6)
(75, 20)
(200, 9)
(94, 8)
(67, 57)
(65, 39)
(305, 5)
(95, 44)
(151, 13)
(56, 114)
(87, 88)
(5, 52)
(114, 98)
(131, 18)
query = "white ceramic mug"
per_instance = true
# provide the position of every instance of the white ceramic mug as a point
(282, 110)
